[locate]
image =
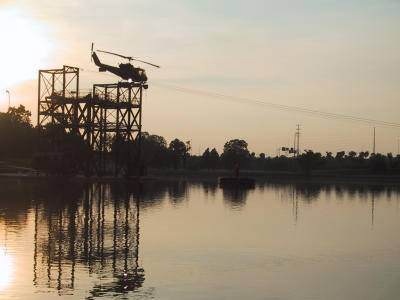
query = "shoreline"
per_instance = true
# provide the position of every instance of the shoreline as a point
(204, 175)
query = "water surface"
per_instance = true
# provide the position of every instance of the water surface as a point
(193, 240)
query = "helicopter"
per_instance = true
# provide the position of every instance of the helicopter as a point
(126, 71)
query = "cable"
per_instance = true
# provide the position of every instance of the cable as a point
(322, 114)
(318, 113)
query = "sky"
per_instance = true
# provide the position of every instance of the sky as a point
(337, 56)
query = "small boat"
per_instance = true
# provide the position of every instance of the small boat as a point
(244, 182)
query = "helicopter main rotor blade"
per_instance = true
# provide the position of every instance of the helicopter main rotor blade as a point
(129, 58)
(145, 62)
(116, 54)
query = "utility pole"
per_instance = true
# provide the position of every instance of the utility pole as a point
(398, 146)
(297, 135)
(374, 143)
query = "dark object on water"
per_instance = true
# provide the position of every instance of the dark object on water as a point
(245, 182)
(237, 170)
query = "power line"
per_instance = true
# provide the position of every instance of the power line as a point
(318, 113)
(282, 107)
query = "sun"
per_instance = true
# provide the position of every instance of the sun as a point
(25, 46)
(7, 269)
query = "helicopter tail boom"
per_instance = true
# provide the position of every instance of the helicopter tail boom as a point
(96, 60)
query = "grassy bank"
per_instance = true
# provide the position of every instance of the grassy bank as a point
(20, 169)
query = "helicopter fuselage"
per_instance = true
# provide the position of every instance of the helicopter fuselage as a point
(125, 71)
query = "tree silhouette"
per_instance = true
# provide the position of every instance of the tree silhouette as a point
(352, 154)
(178, 151)
(378, 164)
(205, 159)
(20, 115)
(16, 133)
(363, 155)
(340, 154)
(210, 159)
(235, 152)
(154, 150)
(61, 152)
(309, 160)
(214, 159)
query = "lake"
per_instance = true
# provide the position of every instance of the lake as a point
(181, 239)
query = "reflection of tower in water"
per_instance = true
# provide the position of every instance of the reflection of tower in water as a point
(94, 233)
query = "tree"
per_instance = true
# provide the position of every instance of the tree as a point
(378, 163)
(309, 160)
(16, 133)
(352, 154)
(210, 159)
(363, 155)
(154, 150)
(178, 151)
(340, 155)
(61, 152)
(187, 153)
(20, 115)
(214, 159)
(235, 152)
(205, 159)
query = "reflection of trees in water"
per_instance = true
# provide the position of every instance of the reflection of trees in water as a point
(15, 201)
(312, 191)
(97, 226)
(210, 187)
(235, 197)
(177, 191)
(152, 193)
(96, 231)
(307, 192)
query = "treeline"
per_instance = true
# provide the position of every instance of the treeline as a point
(236, 153)
(50, 149)
(20, 140)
